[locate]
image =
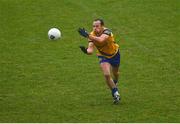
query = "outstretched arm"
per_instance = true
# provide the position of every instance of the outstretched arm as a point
(100, 39)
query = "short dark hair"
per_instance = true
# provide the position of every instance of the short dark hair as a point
(101, 21)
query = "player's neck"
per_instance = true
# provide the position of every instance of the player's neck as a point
(100, 33)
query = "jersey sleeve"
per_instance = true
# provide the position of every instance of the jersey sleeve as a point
(107, 31)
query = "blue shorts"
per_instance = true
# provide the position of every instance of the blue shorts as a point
(114, 61)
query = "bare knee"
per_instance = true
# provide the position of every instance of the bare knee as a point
(107, 76)
(106, 70)
(115, 71)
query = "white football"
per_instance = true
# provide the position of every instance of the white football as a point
(54, 34)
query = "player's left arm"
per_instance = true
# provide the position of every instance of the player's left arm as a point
(89, 50)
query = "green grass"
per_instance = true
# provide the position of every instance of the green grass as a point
(44, 81)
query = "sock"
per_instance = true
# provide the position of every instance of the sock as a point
(114, 90)
(115, 81)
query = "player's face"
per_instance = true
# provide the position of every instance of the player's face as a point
(97, 27)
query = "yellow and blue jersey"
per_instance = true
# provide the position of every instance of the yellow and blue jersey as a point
(108, 48)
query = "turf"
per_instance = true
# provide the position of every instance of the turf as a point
(46, 81)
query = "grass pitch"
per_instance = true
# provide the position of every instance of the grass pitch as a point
(45, 81)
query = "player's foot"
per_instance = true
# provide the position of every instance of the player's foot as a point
(117, 98)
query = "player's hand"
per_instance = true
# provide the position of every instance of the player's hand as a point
(83, 49)
(83, 32)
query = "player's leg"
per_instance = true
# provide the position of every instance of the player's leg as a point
(115, 72)
(106, 69)
(115, 62)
